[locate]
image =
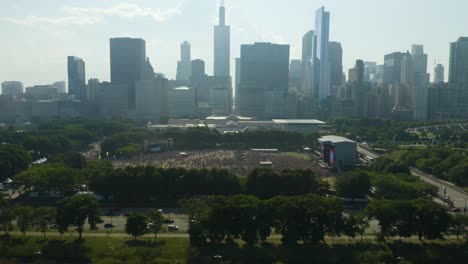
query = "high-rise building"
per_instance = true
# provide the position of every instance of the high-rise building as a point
(222, 46)
(320, 54)
(392, 68)
(112, 99)
(198, 70)
(439, 73)
(421, 76)
(148, 108)
(421, 83)
(307, 53)
(185, 64)
(357, 74)
(61, 86)
(219, 102)
(182, 102)
(295, 76)
(458, 72)
(77, 78)
(407, 72)
(335, 57)
(370, 69)
(264, 66)
(237, 82)
(93, 88)
(128, 60)
(12, 88)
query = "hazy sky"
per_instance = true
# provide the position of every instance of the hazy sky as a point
(36, 36)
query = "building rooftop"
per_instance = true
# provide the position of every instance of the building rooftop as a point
(335, 139)
(182, 88)
(231, 117)
(299, 121)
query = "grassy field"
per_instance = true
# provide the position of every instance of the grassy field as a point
(15, 249)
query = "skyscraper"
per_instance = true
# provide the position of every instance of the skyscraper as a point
(12, 88)
(392, 68)
(335, 56)
(421, 83)
(77, 78)
(264, 68)
(185, 64)
(439, 73)
(222, 45)
(307, 52)
(421, 76)
(128, 60)
(458, 72)
(320, 54)
(198, 70)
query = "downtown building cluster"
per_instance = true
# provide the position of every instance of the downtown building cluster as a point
(267, 84)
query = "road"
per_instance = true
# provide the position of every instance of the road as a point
(445, 189)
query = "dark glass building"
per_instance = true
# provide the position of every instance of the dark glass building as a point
(128, 60)
(458, 72)
(264, 66)
(77, 78)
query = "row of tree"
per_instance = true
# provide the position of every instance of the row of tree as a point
(47, 138)
(143, 183)
(401, 186)
(445, 163)
(309, 219)
(71, 211)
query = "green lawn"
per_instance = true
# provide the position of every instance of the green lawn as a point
(95, 250)
(298, 155)
(15, 249)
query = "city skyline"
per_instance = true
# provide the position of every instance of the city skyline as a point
(72, 24)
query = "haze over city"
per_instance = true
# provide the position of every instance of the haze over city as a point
(37, 36)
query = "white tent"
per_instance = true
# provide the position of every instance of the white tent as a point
(7, 181)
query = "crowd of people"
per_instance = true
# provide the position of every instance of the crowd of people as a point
(238, 161)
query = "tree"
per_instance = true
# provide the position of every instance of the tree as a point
(137, 225)
(7, 215)
(431, 219)
(385, 212)
(156, 220)
(13, 159)
(70, 159)
(355, 185)
(43, 217)
(458, 225)
(194, 207)
(24, 217)
(362, 223)
(350, 226)
(76, 209)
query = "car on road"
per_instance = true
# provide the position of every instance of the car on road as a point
(109, 225)
(456, 210)
(172, 228)
(168, 221)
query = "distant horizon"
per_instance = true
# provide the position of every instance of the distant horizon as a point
(38, 37)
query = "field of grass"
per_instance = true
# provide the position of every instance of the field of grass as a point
(16, 249)
(298, 155)
(339, 251)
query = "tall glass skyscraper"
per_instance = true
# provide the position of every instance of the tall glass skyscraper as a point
(77, 78)
(184, 66)
(458, 71)
(222, 46)
(321, 63)
(128, 60)
(264, 73)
